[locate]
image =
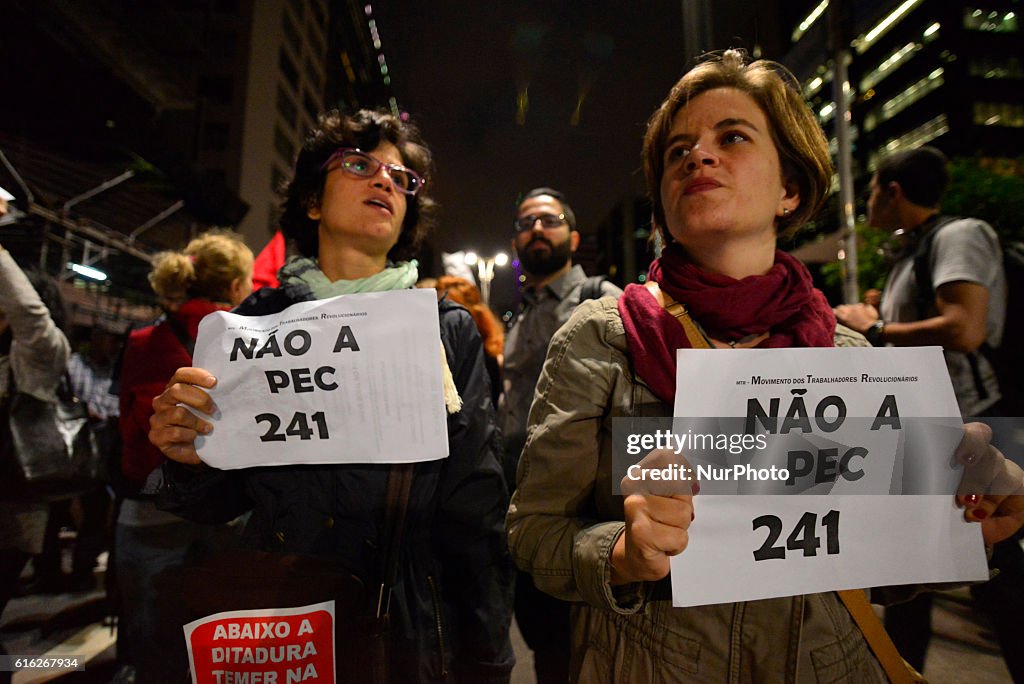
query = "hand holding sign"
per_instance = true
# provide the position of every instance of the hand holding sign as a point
(992, 487)
(657, 522)
(172, 427)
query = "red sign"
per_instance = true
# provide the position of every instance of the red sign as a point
(272, 646)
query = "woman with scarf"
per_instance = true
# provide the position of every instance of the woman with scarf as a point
(733, 158)
(355, 211)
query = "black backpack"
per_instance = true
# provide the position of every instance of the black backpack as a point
(1007, 369)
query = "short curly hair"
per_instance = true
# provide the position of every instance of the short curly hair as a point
(365, 130)
(799, 140)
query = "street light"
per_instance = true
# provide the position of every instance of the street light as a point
(485, 271)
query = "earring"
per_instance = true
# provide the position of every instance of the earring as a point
(785, 211)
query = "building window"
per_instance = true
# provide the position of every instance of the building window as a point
(309, 102)
(999, 114)
(313, 73)
(888, 65)
(909, 96)
(285, 107)
(290, 32)
(318, 13)
(283, 145)
(985, 20)
(215, 136)
(924, 133)
(986, 67)
(216, 89)
(288, 68)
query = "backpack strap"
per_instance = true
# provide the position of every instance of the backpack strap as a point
(592, 287)
(926, 295)
(923, 266)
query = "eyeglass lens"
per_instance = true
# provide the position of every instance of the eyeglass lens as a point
(546, 220)
(365, 166)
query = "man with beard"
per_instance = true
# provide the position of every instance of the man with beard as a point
(544, 239)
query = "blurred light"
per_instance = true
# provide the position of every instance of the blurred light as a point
(387, 80)
(376, 44)
(809, 20)
(976, 13)
(470, 258)
(515, 263)
(886, 23)
(404, 116)
(992, 120)
(1009, 15)
(522, 278)
(932, 29)
(88, 271)
(642, 277)
(368, 9)
(500, 259)
(380, 59)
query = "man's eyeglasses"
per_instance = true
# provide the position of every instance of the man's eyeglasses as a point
(525, 223)
(357, 163)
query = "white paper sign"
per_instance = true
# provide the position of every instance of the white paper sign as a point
(857, 403)
(744, 548)
(352, 379)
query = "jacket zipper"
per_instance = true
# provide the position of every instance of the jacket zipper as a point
(437, 617)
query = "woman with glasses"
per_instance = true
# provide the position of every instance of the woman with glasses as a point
(733, 158)
(355, 211)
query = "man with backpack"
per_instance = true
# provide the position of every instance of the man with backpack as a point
(544, 238)
(947, 287)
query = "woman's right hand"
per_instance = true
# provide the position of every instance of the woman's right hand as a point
(172, 427)
(658, 518)
(656, 529)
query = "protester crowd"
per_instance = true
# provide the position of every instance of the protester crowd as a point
(429, 560)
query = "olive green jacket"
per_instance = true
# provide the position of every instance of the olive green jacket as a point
(563, 522)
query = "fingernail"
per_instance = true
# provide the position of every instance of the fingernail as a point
(972, 499)
(211, 381)
(980, 514)
(207, 429)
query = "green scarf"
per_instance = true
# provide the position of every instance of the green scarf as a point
(399, 276)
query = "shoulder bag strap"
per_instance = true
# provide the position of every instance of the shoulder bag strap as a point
(896, 668)
(697, 338)
(399, 486)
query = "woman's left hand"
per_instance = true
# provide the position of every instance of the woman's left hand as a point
(992, 487)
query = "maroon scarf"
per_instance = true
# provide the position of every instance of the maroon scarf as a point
(782, 301)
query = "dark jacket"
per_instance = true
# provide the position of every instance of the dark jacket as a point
(451, 607)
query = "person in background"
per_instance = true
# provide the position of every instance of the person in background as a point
(91, 371)
(463, 292)
(544, 238)
(733, 158)
(212, 273)
(33, 356)
(966, 310)
(355, 211)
